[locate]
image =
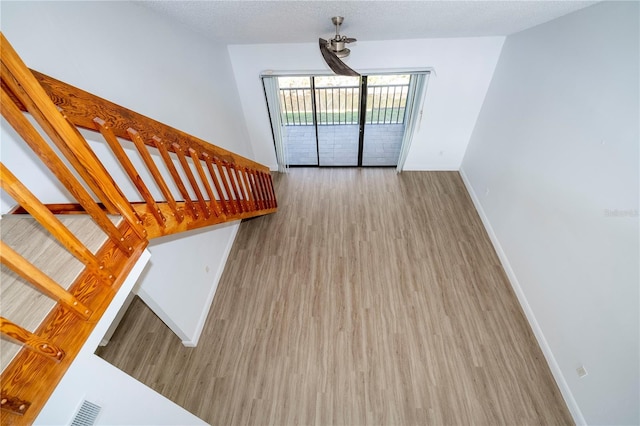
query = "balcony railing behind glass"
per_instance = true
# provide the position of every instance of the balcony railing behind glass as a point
(340, 105)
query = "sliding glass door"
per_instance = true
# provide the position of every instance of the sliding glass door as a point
(384, 119)
(298, 120)
(338, 120)
(342, 121)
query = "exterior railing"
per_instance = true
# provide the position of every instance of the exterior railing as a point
(340, 105)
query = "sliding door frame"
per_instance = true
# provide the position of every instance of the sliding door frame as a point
(362, 118)
(363, 88)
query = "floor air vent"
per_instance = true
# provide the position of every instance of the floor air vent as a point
(87, 414)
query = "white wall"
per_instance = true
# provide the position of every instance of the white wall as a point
(464, 67)
(131, 56)
(553, 156)
(136, 58)
(183, 278)
(123, 400)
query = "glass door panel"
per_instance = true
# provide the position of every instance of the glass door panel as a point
(385, 119)
(337, 113)
(298, 127)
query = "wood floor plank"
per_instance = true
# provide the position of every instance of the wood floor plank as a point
(369, 298)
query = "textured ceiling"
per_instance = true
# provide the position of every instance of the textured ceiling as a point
(248, 22)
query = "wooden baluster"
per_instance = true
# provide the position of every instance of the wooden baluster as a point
(265, 185)
(214, 178)
(254, 197)
(232, 179)
(265, 190)
(262, 189)
(246, 201)
(192, 180)
(115, 194)
(168, 162)
(243, 182)
(155, 173)
(130, 169)
(258, 186)
(263, 199)
(66, 137)
(255, 188)
(24, 337)
(50, 222)
(42, 149)
(242, 186)
(213, 203)
(43, 282)
(272, 194)
(225, 182)
(247, 193)
(89, 182)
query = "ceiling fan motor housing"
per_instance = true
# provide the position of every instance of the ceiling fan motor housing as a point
(338, 46)
(334, 49)
(337, 43)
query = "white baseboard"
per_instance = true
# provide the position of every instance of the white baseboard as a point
(431, 167)
(216, 279)
(576, 413)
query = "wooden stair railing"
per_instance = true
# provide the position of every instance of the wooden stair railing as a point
(196, 184)
(220, 186)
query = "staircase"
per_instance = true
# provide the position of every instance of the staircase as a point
(176, 182)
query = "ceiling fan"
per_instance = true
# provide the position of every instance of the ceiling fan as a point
(335, 48)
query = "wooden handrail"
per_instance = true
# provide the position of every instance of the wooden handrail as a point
(81, 107)
(200, 185)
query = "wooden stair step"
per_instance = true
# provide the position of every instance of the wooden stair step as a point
(26, 236)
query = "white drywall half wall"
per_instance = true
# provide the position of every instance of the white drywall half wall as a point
(553, 169)
(183, 278)
(463, 70)
(122, 399)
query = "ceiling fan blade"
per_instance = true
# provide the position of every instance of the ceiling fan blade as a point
(350, 40)
(336, 65)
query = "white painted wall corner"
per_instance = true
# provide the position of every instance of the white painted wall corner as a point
(193, 342)
(572, 405)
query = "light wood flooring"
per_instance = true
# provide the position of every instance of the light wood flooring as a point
(368, 298)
